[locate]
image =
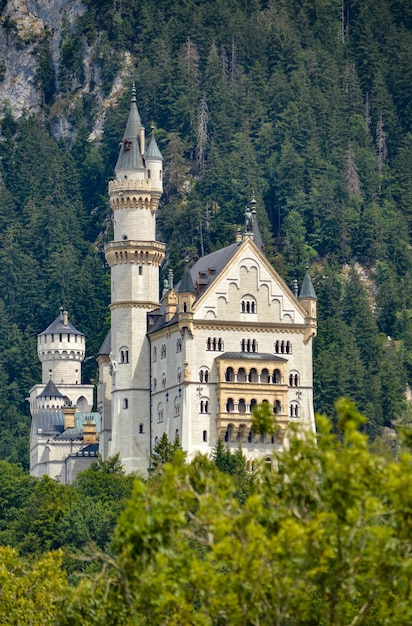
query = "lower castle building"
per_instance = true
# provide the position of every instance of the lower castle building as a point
(228, 336)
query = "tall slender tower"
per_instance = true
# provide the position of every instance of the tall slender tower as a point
(134, 257)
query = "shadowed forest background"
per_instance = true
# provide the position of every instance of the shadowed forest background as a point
(305, 102)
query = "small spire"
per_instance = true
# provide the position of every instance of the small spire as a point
(307, 290)
(130, 157)
(186, 284)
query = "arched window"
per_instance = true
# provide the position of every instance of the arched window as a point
(205, 436)
(163, 351)
(241, 375)
(154, 354)
(229, 433)
(294, 379)
(204, 375)
(277, 408)
(204, 405)
(214, 343)
(265, 377)
(209, 343)
(283, 347)
(220, 344)
(125, 403)
(253, 403)
(253, 375)
(177, 435)
(163, 381)
(229, 375)
(179, 344)
(124, 355)
(294, 409)
(160, 412)
(177, 406)
(248, 345)
(277, 378)
(248, 305)
(242, 406)
(230, 405)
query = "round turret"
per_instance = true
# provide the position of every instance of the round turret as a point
(61, 348)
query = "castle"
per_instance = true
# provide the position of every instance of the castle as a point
(228, 336)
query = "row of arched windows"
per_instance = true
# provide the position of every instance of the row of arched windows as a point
(240, 406)
(283, 347)
(248, 306)
(253, 376)
(247, 436)
(248, 345)
(215, 343)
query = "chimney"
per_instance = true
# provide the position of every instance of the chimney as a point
(238, 235)
(68, 412)
(170, 278)
(65, 318)
(89, 432)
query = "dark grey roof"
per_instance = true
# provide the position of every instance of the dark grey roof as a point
(58, 327)
(48, 421)
(50, 391)
(252, 356)
(257, 237)
(186, 284)
(208, 267)
(106, 346)
(152, 150)
(307, 290)
(130, 157)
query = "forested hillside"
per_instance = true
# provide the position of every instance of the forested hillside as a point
(305, 102)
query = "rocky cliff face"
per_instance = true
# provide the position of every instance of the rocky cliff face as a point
(26, 27)
(25, 23)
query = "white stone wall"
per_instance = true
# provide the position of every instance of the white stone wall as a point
(61, 359)
(137, 223)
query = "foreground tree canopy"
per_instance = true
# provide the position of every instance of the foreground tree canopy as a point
(323, 536)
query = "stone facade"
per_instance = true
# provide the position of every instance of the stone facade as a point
(230, 335)
(64, 430)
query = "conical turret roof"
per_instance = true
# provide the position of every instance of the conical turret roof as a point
(50, 391)
(130, 157)
(307, 290)
(152, 151)
(186, 284)
(58, 326)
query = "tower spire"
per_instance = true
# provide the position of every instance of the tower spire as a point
(130, 157)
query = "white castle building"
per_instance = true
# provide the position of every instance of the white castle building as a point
(228, 336)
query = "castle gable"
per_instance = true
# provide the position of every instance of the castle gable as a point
(245, 290)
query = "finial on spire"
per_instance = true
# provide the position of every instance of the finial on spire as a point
(133, 99)
(253, 201)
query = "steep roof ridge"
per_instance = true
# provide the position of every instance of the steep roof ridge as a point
(130, 157)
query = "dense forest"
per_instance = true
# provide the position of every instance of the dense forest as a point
(304, 102)
(325, 540)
